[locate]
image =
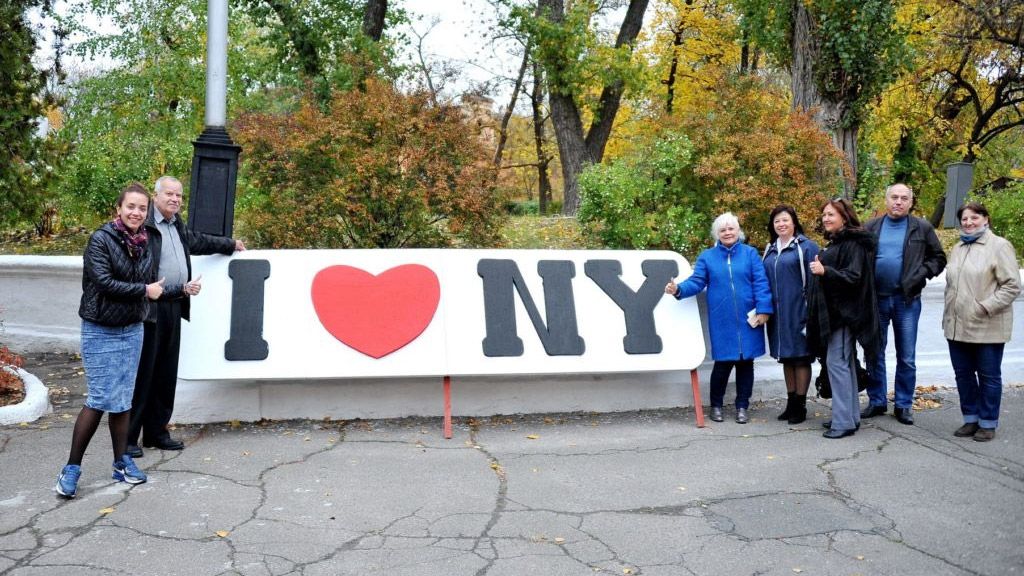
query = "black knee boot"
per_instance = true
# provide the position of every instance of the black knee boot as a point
(789, 406)
(799, 411)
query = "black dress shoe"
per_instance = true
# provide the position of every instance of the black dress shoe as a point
(828, 424)
(872, 411)
(134, 451)
(904, 416)
(165, 444)
(834, 434)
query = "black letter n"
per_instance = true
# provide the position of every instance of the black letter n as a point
(560, 336)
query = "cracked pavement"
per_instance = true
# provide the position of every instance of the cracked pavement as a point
(642, 493)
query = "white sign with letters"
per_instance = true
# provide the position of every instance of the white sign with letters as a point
(269, 314)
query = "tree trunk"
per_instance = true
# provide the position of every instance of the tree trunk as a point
(670, 83)
(830, 116)
(540, 140)
(507, 116)
(575, 149)
(611, 94)
(744, 54)
(300, 35)
(572, 148)
(373, 18)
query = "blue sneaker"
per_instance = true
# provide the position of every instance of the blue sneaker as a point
(125, 470)
(67, 482)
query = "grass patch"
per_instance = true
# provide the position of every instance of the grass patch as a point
(68, 242)
(546, 232)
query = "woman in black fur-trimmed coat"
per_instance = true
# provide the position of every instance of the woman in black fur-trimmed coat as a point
(843, 310)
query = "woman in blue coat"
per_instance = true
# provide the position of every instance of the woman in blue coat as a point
(739, 304)
(787, 260)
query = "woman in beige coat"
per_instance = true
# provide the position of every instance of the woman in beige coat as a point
(982, 281)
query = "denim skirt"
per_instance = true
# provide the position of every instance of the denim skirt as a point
(110, 355)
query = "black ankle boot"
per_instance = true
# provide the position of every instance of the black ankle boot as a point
(799, 412)
(789, 406)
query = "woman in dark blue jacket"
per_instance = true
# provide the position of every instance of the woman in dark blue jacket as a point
(739, 304)
(787, 260)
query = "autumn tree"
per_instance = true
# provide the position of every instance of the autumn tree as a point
(978, 71)
(692, 45)
(840, 55)
(959, 100)
(375, 168)
(746, 153)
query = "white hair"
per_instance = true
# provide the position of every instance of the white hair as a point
(721, 221)
(161, 181)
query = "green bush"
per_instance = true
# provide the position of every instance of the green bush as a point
(1006, 214)
(643, 200)
(378, 168)
(522, 207)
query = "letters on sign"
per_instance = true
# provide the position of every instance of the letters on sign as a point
(367, 313)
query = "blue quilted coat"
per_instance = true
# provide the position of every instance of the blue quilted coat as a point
(736, 283)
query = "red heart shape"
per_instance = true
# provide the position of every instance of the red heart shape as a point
(376, 315)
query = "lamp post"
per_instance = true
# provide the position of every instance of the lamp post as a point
(211, 207)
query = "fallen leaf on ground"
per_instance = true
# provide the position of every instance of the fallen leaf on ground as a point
(223, 533)
(105, 511)
(532, 436)
(559, 540)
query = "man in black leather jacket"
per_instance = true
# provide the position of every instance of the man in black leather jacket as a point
(171, 244)
(909, 253)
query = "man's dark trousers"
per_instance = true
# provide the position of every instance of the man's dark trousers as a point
(158, 375)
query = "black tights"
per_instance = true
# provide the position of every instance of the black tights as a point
(798, 377)
(85, 426)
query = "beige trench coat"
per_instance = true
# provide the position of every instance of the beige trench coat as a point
(982, 281)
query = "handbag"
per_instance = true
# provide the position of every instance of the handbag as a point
(824, 386)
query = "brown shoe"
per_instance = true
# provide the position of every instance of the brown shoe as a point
(984, 434)
(966, 430)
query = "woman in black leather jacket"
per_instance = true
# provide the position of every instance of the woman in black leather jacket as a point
(115, 268)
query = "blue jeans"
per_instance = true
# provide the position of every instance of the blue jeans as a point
(744, 381)
(904, 318)
(979, 380)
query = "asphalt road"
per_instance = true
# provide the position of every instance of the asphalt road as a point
(559, 494)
